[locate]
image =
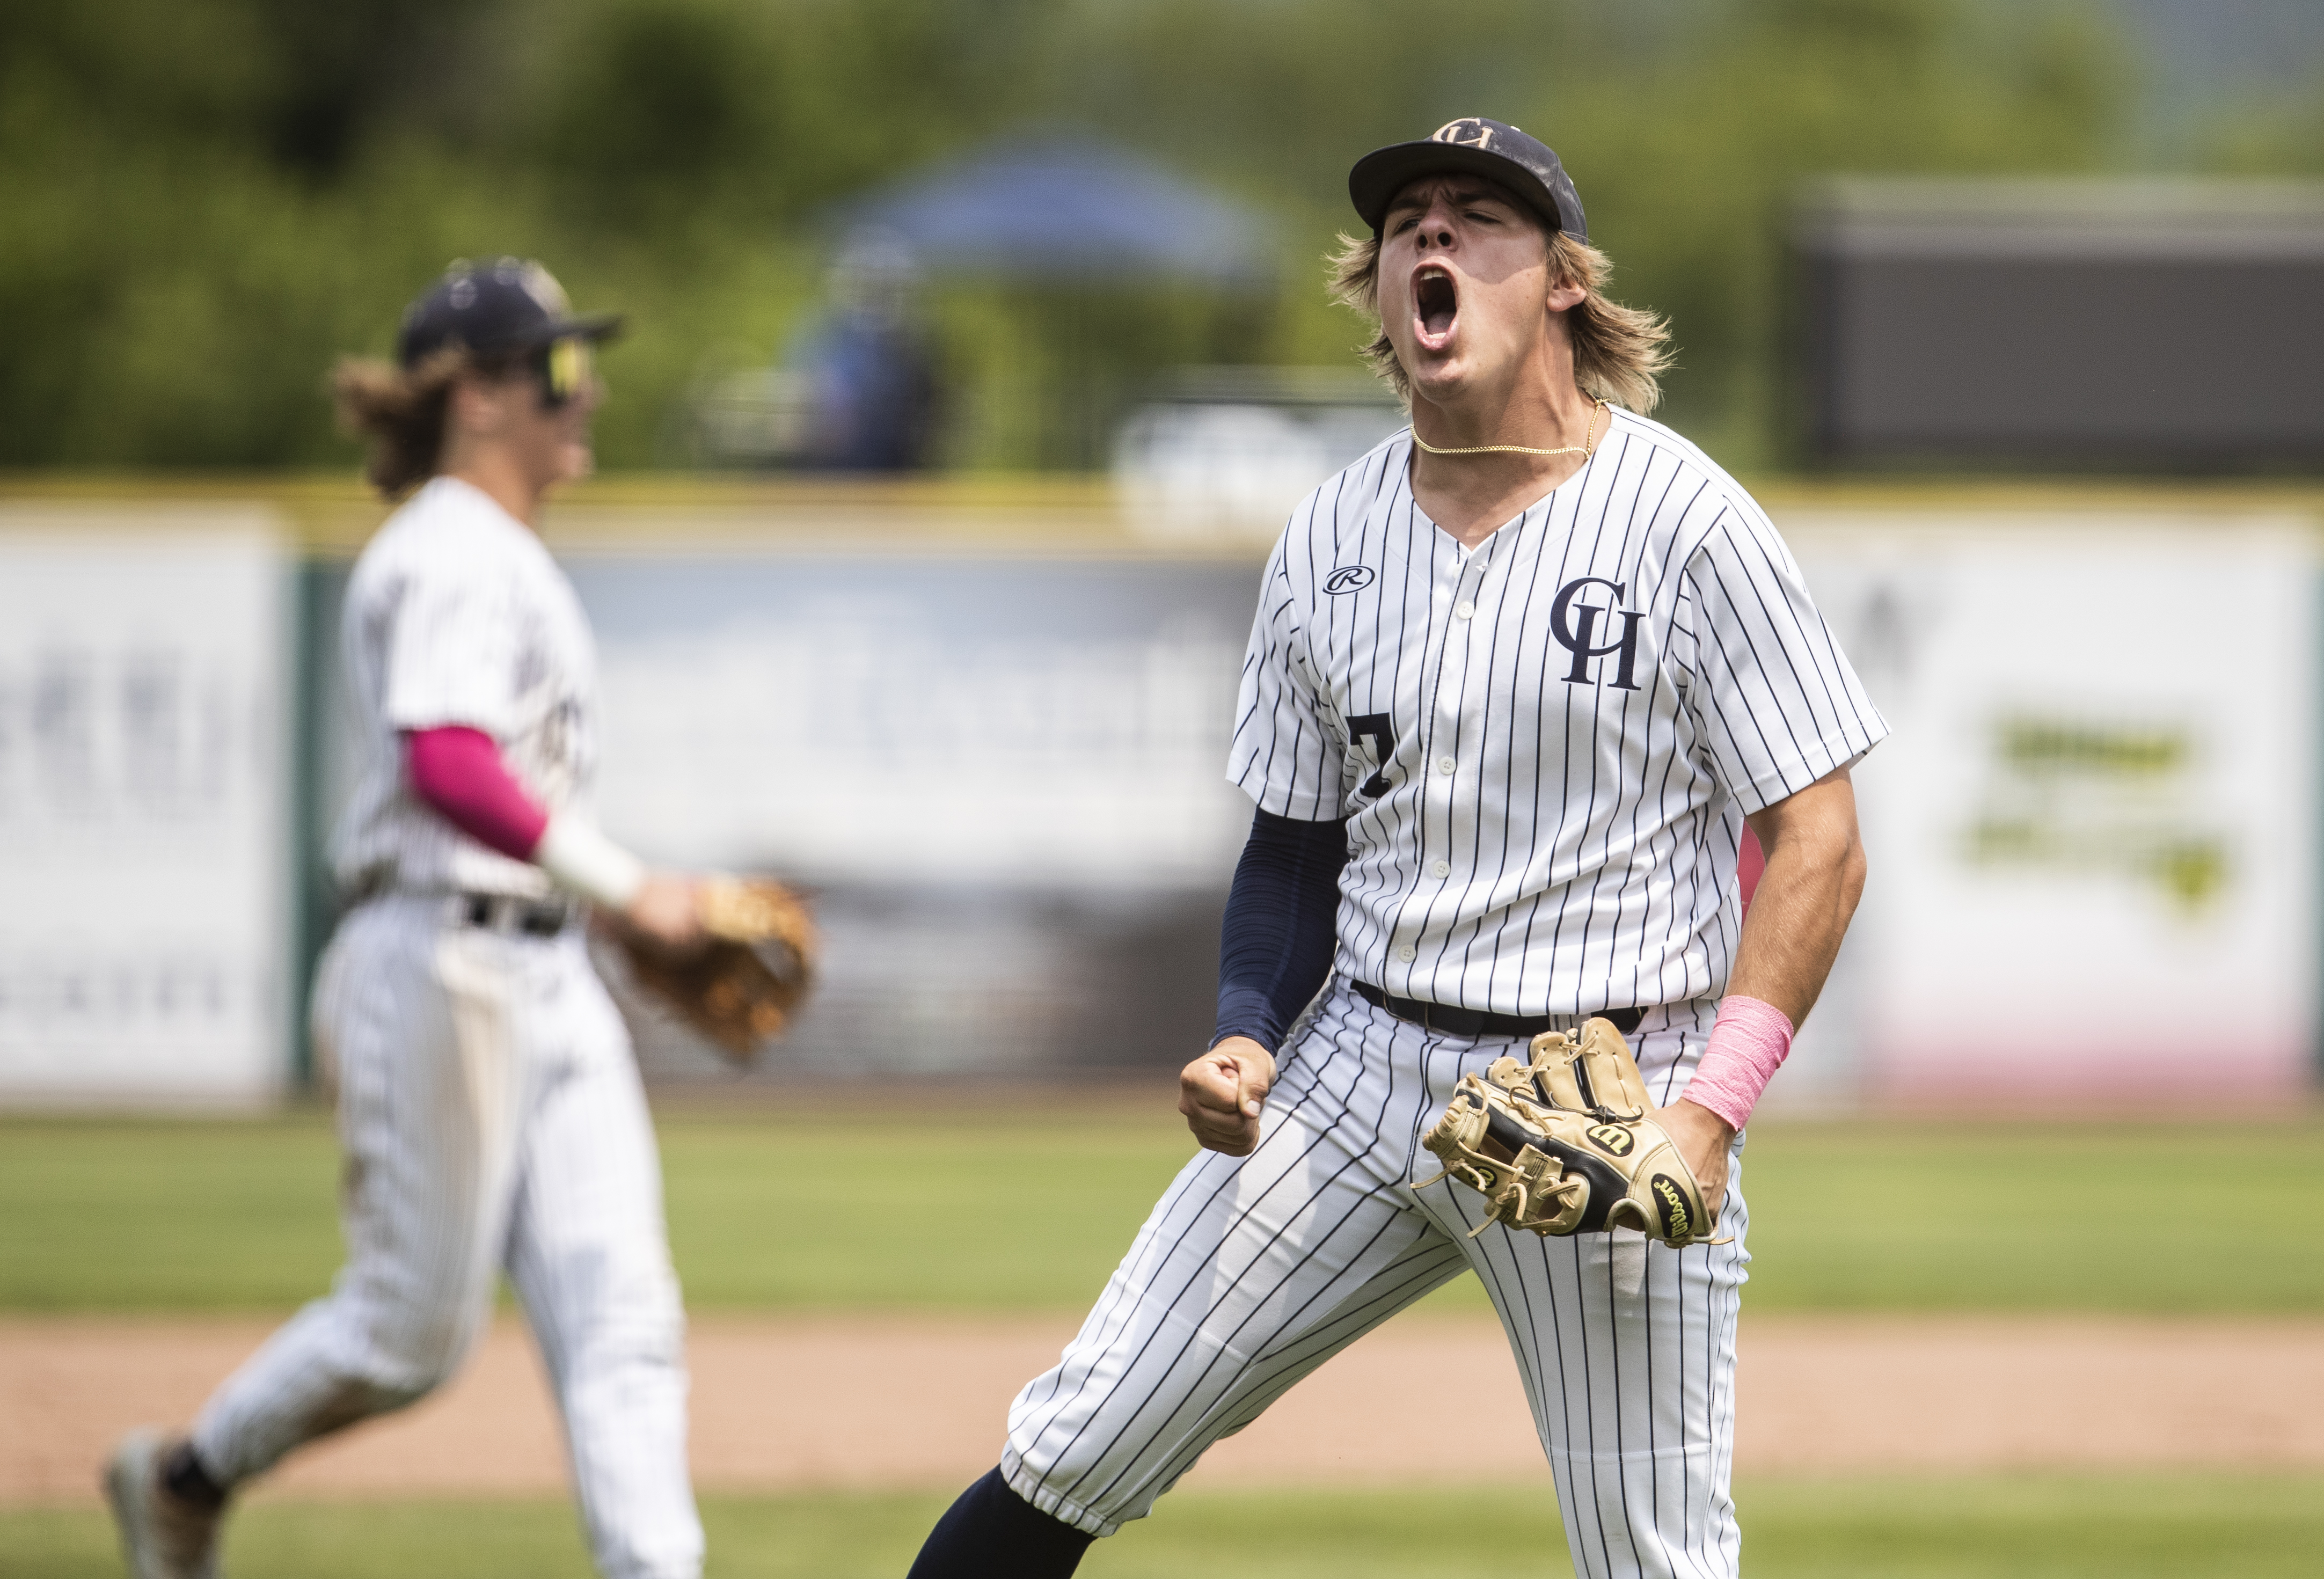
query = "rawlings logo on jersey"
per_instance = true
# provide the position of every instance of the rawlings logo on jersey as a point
(1348, 578)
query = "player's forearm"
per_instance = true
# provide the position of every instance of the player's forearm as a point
(1277, 938)
(1806, 897)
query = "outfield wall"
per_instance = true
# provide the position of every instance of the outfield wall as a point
(2093, 834)
(145, 936)
(990, 730)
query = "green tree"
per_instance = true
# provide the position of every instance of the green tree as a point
(209, 199)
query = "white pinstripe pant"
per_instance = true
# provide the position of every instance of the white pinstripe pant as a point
(1253, 1272)
(491, 1117)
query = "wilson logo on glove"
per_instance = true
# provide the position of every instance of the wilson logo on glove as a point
(1613, 1138)
(1528, 1138)
(1678, 1217)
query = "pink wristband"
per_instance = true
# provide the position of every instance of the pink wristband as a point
(1747, 1045)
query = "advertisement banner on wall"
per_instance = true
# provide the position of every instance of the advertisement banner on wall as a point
(145, 834)
(1052, 722)
(2092, 835)
(1002, 773)
(1005, 775)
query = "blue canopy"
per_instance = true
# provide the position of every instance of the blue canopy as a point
(1061, 207)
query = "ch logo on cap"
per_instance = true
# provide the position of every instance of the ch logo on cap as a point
(1470, 133)
(540, 285)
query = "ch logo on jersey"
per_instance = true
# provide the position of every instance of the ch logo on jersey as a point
(1577, 631)
(1348, 578)
(1612, 1138)
(1469, 133)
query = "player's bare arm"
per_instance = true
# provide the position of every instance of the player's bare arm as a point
(1223, 1092)
(1815, 876)
(1805, 899)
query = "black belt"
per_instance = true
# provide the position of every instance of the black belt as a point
(1455, 1021)
(503, 912)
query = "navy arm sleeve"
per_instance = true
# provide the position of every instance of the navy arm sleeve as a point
(1276, 942)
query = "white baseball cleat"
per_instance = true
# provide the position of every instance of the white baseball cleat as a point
(163, 1536)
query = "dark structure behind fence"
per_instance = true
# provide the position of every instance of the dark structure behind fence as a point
(2090, 325)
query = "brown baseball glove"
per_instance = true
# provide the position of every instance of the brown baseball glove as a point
(742, 986)
(1568, 1144)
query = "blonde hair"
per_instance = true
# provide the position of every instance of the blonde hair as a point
(400, 410)
(1619, 353)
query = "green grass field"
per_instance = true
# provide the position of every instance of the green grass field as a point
(818, 1212)
(806, 1211)
(2215, 1527)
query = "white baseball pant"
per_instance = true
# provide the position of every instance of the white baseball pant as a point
(491, 1117)
(1253, 1272)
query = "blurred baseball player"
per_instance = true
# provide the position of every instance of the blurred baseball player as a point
(489, 1108)
(1518, 679)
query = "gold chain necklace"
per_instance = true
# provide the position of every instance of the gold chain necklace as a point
(1582, 449)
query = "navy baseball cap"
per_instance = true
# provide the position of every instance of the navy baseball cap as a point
(1493, 149)
(511, 305)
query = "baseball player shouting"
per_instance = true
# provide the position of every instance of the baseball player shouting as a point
(1518, 679)
(489, 1108)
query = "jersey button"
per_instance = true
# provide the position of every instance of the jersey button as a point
(1465, 611)
(1440, 869)
(1445, 765)
(1406, 952)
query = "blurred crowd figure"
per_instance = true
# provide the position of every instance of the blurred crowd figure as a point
(856, 390)
(870, 368)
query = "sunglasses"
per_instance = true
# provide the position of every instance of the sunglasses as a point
(564, 367)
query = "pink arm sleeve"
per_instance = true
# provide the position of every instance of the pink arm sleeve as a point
(458, 771)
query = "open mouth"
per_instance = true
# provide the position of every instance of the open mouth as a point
(1434, 303)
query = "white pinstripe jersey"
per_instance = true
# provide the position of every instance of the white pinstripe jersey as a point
(456, 614)
(1544, 746)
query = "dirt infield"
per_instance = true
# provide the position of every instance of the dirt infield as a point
(887, 1401)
